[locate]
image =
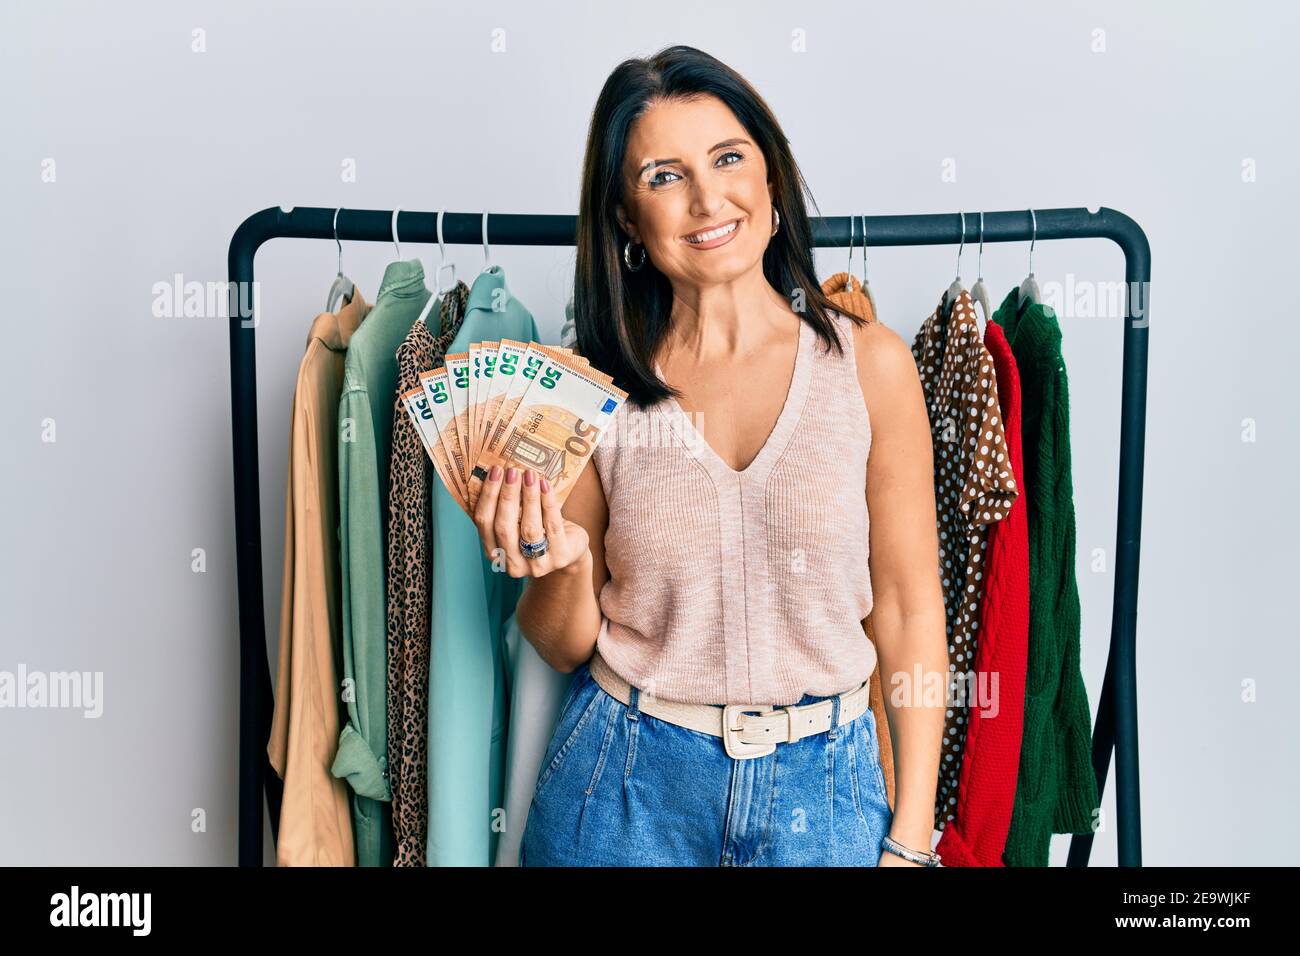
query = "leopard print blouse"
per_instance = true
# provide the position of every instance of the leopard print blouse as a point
(410, 507)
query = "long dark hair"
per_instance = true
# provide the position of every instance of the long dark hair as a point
(620, 316)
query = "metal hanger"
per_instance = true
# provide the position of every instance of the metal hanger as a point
(397, 244)
(487, 252)
(438, 290)
(864, 286)
(443, 263)
(979, 291)
(1029, 294)
(866, 283)
(956, 289)
(342, 287)
(848, 272)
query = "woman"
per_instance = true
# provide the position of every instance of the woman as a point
(701, 578)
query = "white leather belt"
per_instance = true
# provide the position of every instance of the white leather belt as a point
(747, 730)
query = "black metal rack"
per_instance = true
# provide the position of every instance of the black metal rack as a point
(1116, 722)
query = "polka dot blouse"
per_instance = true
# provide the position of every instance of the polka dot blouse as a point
(974, 486)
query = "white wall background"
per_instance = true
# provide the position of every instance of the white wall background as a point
(159, 152)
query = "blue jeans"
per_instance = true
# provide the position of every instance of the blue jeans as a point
(619, 787)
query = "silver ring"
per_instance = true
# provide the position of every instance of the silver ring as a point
(533, 549)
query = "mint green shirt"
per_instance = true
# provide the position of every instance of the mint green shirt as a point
(365, 444)
(468, 679)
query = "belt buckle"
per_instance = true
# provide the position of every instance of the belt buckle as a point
(742, 750)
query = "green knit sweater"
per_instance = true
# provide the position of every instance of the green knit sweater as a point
(1056, 790)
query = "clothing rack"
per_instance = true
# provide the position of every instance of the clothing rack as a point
(1116, 723)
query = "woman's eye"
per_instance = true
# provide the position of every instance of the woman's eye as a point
(656, 181)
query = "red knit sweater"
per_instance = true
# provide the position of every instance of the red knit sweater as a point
(987, 785)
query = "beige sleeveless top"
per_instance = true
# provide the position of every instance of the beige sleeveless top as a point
(742, 586)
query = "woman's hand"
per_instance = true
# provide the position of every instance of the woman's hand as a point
(524, 505)
(893, 859)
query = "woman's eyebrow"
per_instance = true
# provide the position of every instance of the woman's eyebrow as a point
(737, 141)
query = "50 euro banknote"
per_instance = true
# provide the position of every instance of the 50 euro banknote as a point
(552, 427)
(431, 415)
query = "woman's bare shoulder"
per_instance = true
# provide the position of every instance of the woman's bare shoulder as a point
(886, 367)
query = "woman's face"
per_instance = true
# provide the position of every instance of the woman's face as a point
(691, 168)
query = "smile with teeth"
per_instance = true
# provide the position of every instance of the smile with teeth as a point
(699, 237)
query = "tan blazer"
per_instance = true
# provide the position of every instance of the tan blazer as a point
(315, 818)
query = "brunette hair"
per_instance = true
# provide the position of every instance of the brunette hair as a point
(621, 316)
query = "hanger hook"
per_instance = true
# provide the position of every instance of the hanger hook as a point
(336, 239)
(442, 261)
(864, 250)
(487, 253)
(1033, 236)
(963, 243)
(853, 222)
(980, 264)
(395, 242)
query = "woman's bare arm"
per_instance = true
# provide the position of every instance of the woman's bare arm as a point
(907, 612)
(558, 612)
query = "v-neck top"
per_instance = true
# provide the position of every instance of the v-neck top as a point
(748, 586)
(679, 419)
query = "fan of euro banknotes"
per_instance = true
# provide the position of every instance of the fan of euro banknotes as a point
(509, 403)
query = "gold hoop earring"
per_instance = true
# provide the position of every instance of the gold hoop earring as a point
(627, 257)
(776, 214)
